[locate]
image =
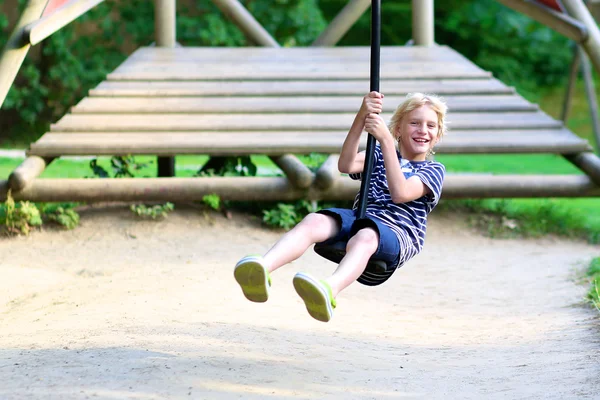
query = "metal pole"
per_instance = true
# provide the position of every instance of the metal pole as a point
(558, 21)
(578, 10)
(573, 72)
(375, 68)
(590, 92)
(166, 36)
(164, 23)
(342, 23)
(423, 22)
(16, 48)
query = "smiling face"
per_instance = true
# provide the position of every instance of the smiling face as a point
(418, 133)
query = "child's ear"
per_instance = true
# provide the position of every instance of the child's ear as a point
(397, 133)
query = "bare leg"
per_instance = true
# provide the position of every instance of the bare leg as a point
(312, 229)
(358, 251)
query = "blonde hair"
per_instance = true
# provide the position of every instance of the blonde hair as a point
(414, 101)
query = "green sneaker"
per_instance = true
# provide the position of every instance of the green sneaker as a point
(317, 296)
(253, 278)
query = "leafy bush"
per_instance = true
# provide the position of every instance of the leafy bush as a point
(212, 200)
(121, 166)
(516, 49)
(65, 217)
(594, 273)
(152, 212)
(286, 215)
(22, 217)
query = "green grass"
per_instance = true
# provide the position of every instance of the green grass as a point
(594, 275)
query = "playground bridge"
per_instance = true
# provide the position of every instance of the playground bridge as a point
(167, 100)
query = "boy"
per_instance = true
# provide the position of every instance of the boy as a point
(404, 189)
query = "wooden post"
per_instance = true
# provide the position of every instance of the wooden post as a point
(328, 173)
(166, 36)
(298, 173)
(281, 189)
(25, 173)
(164, 23)
(340, 25)
(16, 47)
(47, 25)
(588, 163)
(423, 23)
(246, 22)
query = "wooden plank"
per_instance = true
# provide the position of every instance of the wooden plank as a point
(319, 104)
(277, 143)
(303, 54)
(297, 88)
(279, 122)
(298, 70)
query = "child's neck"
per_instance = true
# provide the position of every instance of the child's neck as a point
(414, 157)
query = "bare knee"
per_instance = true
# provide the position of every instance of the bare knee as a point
(318, 226)
(367, 239)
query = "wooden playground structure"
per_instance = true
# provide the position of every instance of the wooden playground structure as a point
(166, 100)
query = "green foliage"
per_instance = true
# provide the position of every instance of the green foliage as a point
(282, 216)
(152, 212)
(594, 274)
(212, 200)
(512, 218)
(314, 160)
(228, 166)
(286, 215)
(64, 216)
(22, 217)
(518, 50)
(122, 166)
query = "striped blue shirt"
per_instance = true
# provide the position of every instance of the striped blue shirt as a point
(403, 218)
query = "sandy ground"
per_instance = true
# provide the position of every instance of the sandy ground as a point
(128, 309)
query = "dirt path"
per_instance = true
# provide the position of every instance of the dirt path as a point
(123, 309)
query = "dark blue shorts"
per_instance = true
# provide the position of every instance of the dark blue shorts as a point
(388, 249)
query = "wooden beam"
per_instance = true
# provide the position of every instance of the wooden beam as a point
(328, 173)
(446, 87)
(279, 122)
(423, 23)
(490, 186)
(46, 26)
(560, 141)
(274, 104)
(560, 22)
(25, 173)
(295, 170)
(17, 46)
(342, 22)
(588, 163)
(310, 54)
(272, 189)
(294, 70)
(165, 29)
(246, 22)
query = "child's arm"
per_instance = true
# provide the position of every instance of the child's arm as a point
(351, 161)
(402, 190)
